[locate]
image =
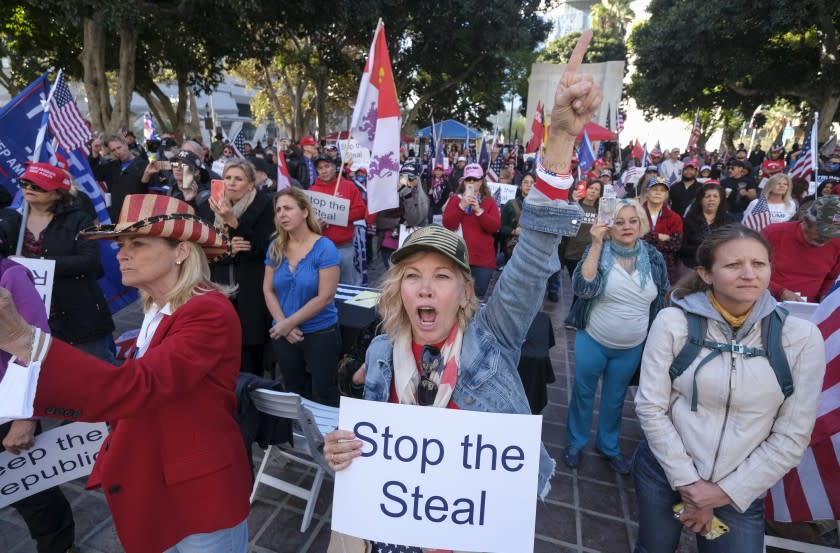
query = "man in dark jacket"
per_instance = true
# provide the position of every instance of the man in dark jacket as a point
(122, 173)
(740, 188)
(306, 172)
(684, 191)
(456, 174)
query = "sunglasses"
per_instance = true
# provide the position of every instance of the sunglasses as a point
(25, 184)
(431, 361)
(409, 176)
(471, 179)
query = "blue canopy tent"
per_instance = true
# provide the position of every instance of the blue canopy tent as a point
(449, 130)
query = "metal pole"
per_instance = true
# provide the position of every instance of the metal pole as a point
(510, 124)
(36, 155)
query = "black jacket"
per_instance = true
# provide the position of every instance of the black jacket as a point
(79, 312)
(120, 182)
(247, 268)
(256, 426)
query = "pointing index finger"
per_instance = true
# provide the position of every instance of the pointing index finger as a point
(576, 59)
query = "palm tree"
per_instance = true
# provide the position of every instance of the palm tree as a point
(612, 16)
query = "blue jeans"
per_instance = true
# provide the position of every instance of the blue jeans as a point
(592, 362)
(659, 531)
(99, 348)
(482, 276)
(227, 540)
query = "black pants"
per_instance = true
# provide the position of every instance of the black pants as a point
(47, 514)
(309, 368)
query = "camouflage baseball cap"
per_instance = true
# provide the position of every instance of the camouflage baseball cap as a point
(438, 239)
(825, 214)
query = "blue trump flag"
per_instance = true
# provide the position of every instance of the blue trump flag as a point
(585, 155)
(20, 121)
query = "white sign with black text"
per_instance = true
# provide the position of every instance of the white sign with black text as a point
(330, 209)
(58, 456)
(439, 478)
(43, 271)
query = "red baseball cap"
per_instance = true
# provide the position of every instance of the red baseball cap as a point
(46, 176)
(308, 141)
(774, 166)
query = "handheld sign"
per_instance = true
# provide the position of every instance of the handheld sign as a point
(439, 478)
(330, 209)
(58, 456)
(43, 271)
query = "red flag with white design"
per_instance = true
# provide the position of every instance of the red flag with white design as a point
(537, 130)
(811, 491)
(376, 124)
(638, 151)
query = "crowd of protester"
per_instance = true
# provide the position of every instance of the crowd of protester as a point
(266, 259)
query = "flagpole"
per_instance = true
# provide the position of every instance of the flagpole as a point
(36, 155)
(815, 145)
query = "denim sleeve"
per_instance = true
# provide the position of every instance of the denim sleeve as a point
(519, 291)
(587, 289)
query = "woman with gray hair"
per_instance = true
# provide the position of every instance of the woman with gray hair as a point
(620, 285)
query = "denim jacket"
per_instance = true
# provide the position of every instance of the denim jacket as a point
(587, 291)
(488, 380)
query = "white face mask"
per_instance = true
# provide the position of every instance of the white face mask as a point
(168, 154)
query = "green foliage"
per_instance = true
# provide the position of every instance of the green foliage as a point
(734, 55)
(604, 47)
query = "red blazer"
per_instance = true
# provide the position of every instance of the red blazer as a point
(174, 463)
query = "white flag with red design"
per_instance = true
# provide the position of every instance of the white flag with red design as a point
(283, 178)
(811, 491)
(376, 125)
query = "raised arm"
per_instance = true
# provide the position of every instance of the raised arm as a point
(547, 213)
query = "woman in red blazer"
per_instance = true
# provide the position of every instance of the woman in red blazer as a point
(173, 468)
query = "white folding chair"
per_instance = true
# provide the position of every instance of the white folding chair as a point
(310, 421)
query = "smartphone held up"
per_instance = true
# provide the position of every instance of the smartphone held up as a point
(217, 190)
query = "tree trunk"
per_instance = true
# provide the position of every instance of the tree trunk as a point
(193, 129)
(93, 63)
(181, 109)
(828, 109)
(279, 113)
(154, 108)
(125, 87)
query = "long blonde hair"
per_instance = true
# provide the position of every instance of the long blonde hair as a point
(395, 320)
(193, 279)
(771, 183)
(276, 251)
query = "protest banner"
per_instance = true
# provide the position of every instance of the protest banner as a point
(58, 456)
(330, 209)
(43, 271)
(503, 193)
(439, 478)
(354, 153)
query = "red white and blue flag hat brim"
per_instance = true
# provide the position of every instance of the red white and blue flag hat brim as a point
(164, 217)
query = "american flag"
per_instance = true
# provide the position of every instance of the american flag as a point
(149, 127)
(609, 119)
(811, 491)
(807, 160)
(239, 143)
(694, 137)
(760, 215)
(66, 122)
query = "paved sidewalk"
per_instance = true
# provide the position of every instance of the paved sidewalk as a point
(589, 510)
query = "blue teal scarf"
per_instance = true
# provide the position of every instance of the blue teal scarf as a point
(613, 250)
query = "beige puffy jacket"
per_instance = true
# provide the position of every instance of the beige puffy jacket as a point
(745, 435)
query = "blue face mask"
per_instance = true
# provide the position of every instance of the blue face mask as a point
(360, 179)
(832, 166)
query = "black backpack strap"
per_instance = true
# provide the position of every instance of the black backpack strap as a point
(771, 339)
(692, 347)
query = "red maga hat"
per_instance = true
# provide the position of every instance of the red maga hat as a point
(308, 141)
(46, 176)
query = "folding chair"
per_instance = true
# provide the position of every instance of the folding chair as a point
(310, 421)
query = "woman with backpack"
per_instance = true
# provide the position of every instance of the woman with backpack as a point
(730, 417)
